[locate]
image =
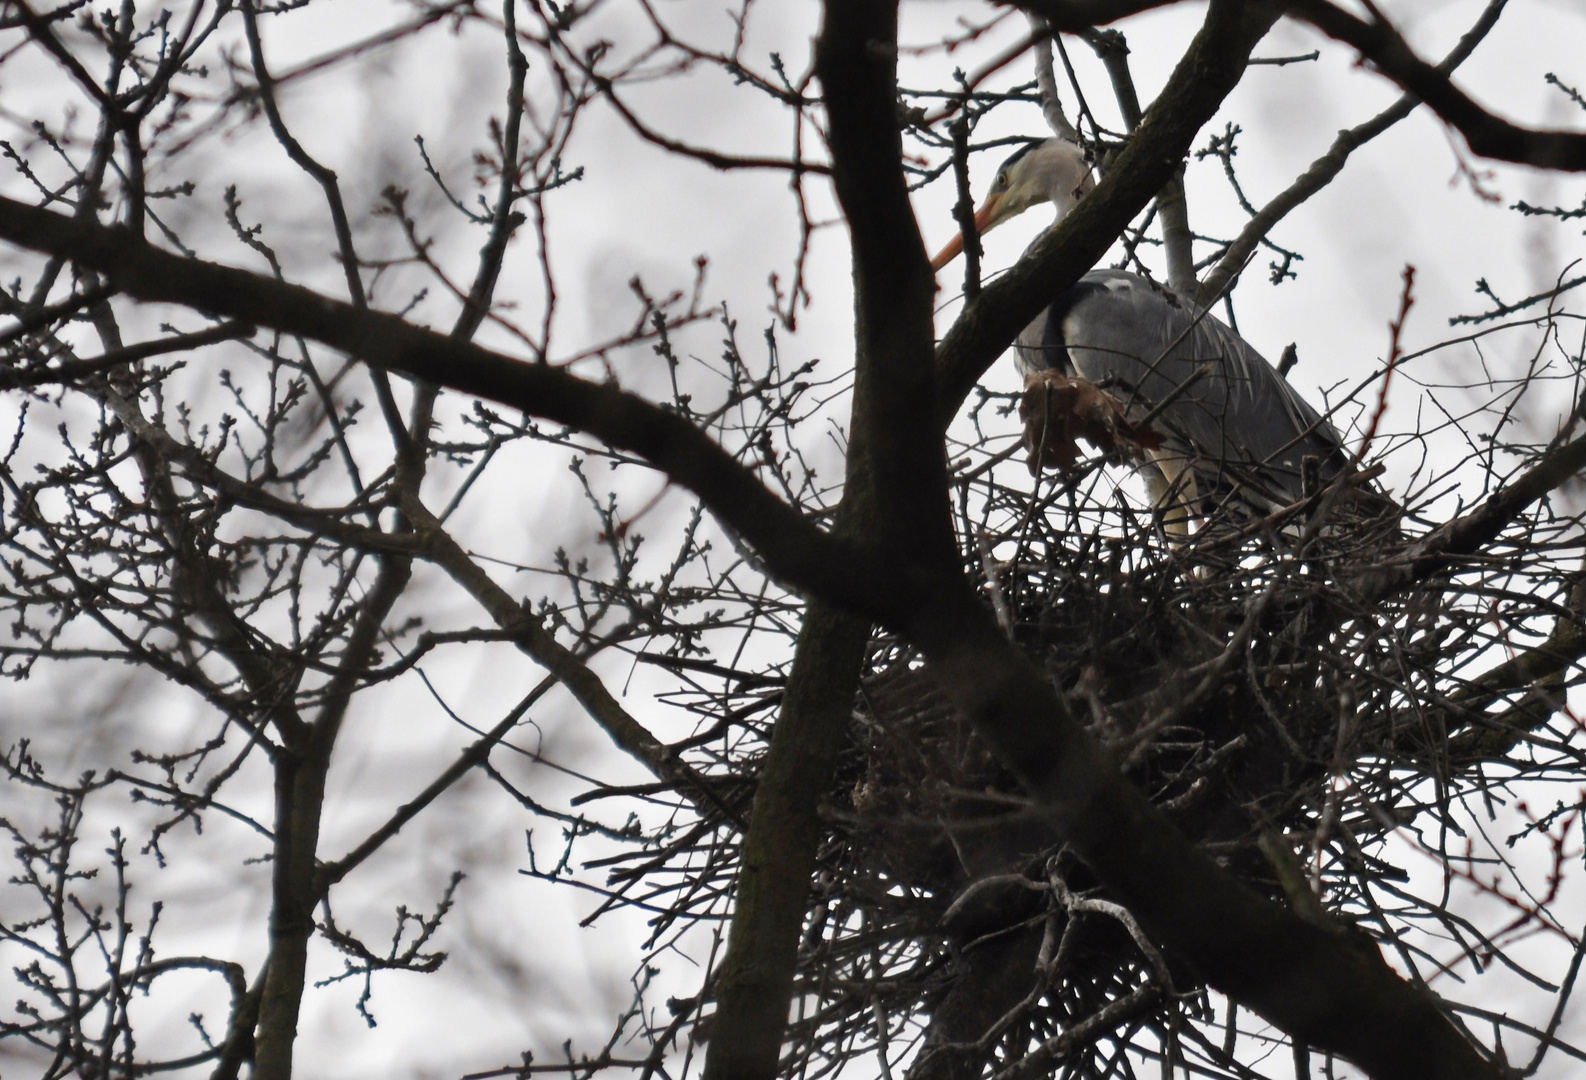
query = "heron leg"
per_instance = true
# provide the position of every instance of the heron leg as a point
(1171, 482)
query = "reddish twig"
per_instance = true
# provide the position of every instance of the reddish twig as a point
(1395, 351)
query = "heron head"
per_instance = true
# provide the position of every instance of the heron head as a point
(1050, 170)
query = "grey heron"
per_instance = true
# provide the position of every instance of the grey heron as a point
(1228, 427)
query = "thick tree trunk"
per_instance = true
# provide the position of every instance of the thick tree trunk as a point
(755, 984)
(299, 798)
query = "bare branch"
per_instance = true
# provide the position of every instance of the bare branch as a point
(1488, 135)
(1329, 165)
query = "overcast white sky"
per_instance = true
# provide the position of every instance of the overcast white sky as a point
(641, 211)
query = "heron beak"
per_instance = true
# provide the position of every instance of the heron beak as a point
(986, 218)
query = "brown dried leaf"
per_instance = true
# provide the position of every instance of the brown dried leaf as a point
(1057, 411)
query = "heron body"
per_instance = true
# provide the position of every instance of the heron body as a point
(1232, 428)
(1239, 429)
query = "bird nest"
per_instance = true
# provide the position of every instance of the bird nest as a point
(1244, 679)
(1254, 680)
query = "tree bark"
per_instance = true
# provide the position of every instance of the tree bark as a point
(755, 985)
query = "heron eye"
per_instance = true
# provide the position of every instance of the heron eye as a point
(1002, 179)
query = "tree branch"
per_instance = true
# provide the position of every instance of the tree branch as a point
(852, 578)
(1178, 242)
(15, 379)
(1488, 135)
(1329, 165)
(1466, 535)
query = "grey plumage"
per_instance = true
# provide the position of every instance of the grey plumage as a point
(1237, 433)
(1241, 428)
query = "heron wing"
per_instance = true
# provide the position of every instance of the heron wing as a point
(1241, 424)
